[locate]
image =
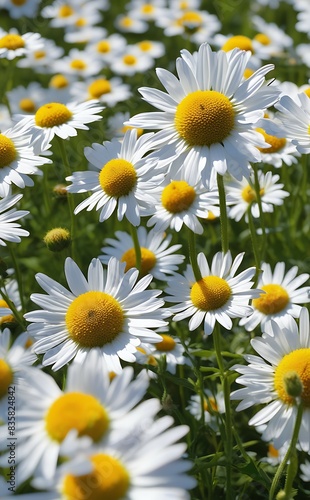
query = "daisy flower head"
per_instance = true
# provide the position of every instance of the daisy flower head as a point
(129, 24)
(109, 91)
(78, 63)
(154, 49)
(305, 471)
(42, 60)
(242, 195)
(210, 111)
(131, 61)
(116, 127)
(274, 41)
(121, 179)
(281, 298)
(278, 377)
(219, 295)
(157, 258)
(18, 9)
(109, 312)
(180, 201)
(62, 120)
(9, 229)
(12, 44)
(146, 10)
(173, 350)
(10, 290)
(106, 48)
(295, 117)
(213, 405)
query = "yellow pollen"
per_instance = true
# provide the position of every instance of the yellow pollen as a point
(103, 46)
(6, 377)
(210, 293)
(190, 18)
(167, 344)
(210, 402)
(79, 411)
(11, 42)
(145, 46)
(65, 11)
(99, 87)
(118, 177)
(94, 319)
(27, 105)
(18, 3)
(211, 217)
(79, 23)
(272, 451)
(126, 22)
(148, 260)
(273, 301)
(276, 143)
(109, 479)
(8, 152)
(147, 9)
(240, 42)
(297, 361)
(248, 72)
(52, 114)
(129, 59)
(124, 129)
(140, 349)
(151, 360)
(183, 5)
(178, 196)
(59, 82)
(249, 194)
(307, 91)
(78, 64)
(262, 38)
(9, 318)
(204, 117)
(39, 54)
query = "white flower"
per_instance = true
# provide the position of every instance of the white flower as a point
(131, 61)
(270, 378)
(14, 45)
(280, 300)
(156, 258)
(218, 296)
(42, 60)
(210, 111)
(110, 312)
(27, 8)
(9, 229)
(109, 91)
(295, 117)
(130, 24)
(172, 349)
(10, 289)
(106, 48)
(78, 63)
(212, 405)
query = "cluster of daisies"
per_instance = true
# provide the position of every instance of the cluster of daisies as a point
(86, 365)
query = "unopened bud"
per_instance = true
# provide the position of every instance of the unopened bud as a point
(60, 191)
(57, 239)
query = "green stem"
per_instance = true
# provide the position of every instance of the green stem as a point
(288, 454)
(223, 213)
(261, 213)
(254, 242)
(193, 255)
(19, 318)
(135, 239)
(18, 276)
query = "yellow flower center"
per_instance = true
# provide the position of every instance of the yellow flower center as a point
(8, 152)
(78, 64)
(210, 402)
(126, 22)
(249, 195)
(103, 46)
(210, 293)
(94, 319)
(297, 361)
(6, 377)
(240, 42)
(273, 301)
(18, 3)
(124, 129)
(167, 343)
(145, 46)
(276, 143)
(129, 59)
(79, 23)
(148, 260)
(147, 9)
(307, 91)
(59, 82)
(65, 11)
(39, 54)
(204, 117)
(272, 451)
(248, 72)
(178, 196)
(79, 411)
(52, 114)
(262, 38)
(118, 177)
(27, 105)
(109, 480)
(11, 42)
(9, 318)
(99, 87)
(190, 18)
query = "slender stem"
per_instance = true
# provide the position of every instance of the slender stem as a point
(193, 255)
(18, 276)
(288, 454)
(254, 242)
(19, 318)
(223, 213)
(261, 213)
(135, 239)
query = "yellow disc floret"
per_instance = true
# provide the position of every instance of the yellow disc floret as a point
(52, 114)
(65, 11)
(145, 46)
(262, 38)
(240, 42)
(59, 82)
(18, 3)
(210, 293)
(297, 361)
(118, 177)
(27, 105)
(39, 54)
(94, 319)
(6, 377)
(103, 46)
(99, 87)
(167, 344)
(8, 318)
(204, 117)
(148, 260)
(8, 152)
(276, 143)
(78, 64)
(129, 59)
(190, 20)
(147, 8)
(79, 411)
(109, 480)
(178, 196)
(11, 42)
(274, 300)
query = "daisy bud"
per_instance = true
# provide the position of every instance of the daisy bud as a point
(60, 191)
(57, 239)
(282, 496)
(292, 384)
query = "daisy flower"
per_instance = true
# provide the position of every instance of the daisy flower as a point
(109, 91)
(13, 360)
(266, 379)
(78, 63)
(146, 10)
(5, 117)
(274, 41)
(89, 405)
(9, 229)
(303, 16)
(11, 291)
(281, 298)
(130, 24)
(212, 406)
(218, 296)
(122, 178)
(131, 61)
(172, 349)
(153, 49)
(108, 312)
(305, 471)
(26, 99)
(295, 117)
(116, 127)
(55, 118)
(210, 111)
(12, 44)
(180, 201)
(42, 60)
(62, 13)
(242, 195)
(17, 9)
(157, 258)
(106, 48)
